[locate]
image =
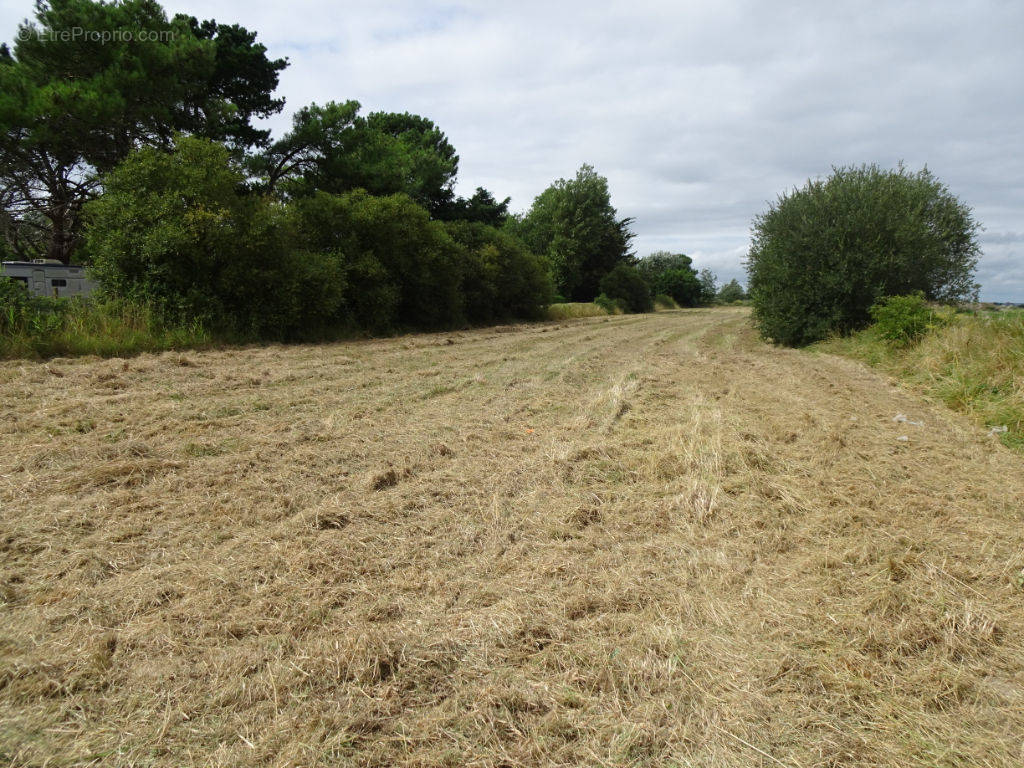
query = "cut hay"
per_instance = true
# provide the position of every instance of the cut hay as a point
(627, 541)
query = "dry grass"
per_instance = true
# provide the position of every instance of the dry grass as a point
(575, 310)
(624, 541)
(973, 364)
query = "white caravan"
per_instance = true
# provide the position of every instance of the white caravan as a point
(48, 277)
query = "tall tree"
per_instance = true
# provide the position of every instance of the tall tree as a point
(708, 286)
(331, 148)
(482, 208)
(297, 164)
(238, 87)
(672, 274)
(88, 82)
(730, 292)
(822, 255)
(574, 224)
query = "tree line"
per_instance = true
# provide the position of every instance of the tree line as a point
(140, 157)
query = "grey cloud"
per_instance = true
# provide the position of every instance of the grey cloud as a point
(1003, 237)
(699, 113)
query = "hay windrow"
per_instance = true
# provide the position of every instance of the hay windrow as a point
(616, 541)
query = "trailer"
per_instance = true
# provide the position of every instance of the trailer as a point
(49, 277)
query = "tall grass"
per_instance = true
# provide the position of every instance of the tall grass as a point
(663, 302)
(55, 327)
(572, 309)
(975, 363)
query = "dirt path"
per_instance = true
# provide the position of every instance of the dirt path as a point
(643, 540)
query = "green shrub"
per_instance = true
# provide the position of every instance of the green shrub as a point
(903, 319)
(625, 283)
(501, 279)
(680, 284)
(22, 314)
(607, 304)
(176, 231)
(661, 301)
(402, 268)
(15, 304)
(823, 255)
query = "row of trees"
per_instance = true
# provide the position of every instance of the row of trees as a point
(181, 231)
(188, 232)
(72, 108)
(574, 224)
(138, 154)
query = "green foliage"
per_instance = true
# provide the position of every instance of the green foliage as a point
(481, 208)
(708, 286)
(15, 304)
(574, 225)
(176, 231)
(332, 149)
(501, 279)
(731, 292)
(609, 305)
(47, 327)
(624, 283)
(823, 255)
(903, 319)
(180, 232)
(73, 106)
(972, 363)
(664, 301)
(235, 89)
(427, 162)
(404, 269)
(671, 274)
(663, 261)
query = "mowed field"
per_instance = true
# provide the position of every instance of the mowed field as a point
(629, 541)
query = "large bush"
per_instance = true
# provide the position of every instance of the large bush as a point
(822, 255)
(501, 279)
(178, 232)
(403, 268)
(625, 283)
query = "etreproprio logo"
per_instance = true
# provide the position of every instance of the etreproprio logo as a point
(101, 36)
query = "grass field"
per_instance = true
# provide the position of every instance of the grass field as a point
(638, 540)
(972, 363)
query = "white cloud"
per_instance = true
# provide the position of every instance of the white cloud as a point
(699, 113)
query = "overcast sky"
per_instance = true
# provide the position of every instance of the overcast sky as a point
(698, 113)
